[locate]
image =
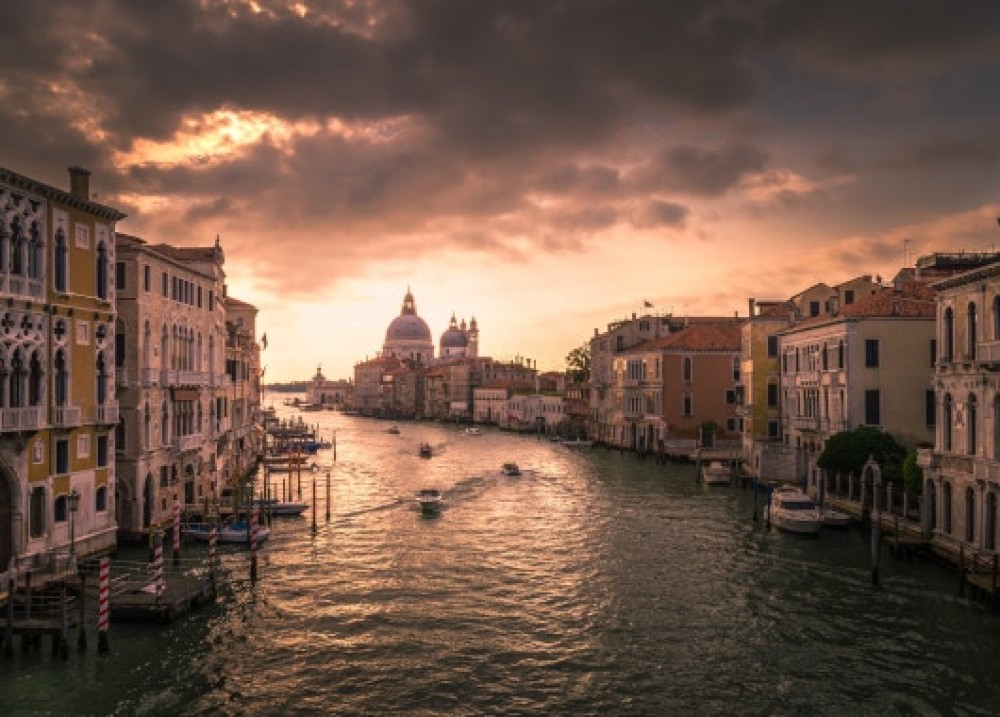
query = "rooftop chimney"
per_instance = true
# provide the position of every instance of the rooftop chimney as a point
(79, 182)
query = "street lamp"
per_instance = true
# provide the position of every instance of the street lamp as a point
(73, 499)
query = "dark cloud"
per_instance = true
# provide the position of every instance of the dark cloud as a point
(701, 171)
(658, 213)
(936, 151)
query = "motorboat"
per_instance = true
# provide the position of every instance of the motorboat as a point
(835, 518)
(393, 430)
(273, 506)
(511, 469)
(578, 443)
(794, 511)
(236, 531)
(429, 500)
(473, 431)
(716, 473)
(425, 450)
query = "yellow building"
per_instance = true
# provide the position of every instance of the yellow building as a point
(57, 403)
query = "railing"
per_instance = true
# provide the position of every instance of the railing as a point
(988, 352)
(191, 378)
(806, 378)
(957, 464)
(106, 414)
(833, 425)
(189, 443)
(23, 286)
(30, 418)
(66, 416)
(985, 469)
(805, 423)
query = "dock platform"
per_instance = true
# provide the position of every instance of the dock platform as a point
(180, 595)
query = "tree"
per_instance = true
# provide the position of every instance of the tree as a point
(578, 363)
(848, 451)
(913, 474)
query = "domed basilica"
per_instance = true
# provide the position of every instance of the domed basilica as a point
(409, 338)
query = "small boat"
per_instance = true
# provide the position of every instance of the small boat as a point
(578, 443)
(716, 473)
(236, 531)
(794, 511)
(511, 469)
(835, 519)
(429, 500)
(393, 430)
(425, 450)
(473, 431)
(273, 506)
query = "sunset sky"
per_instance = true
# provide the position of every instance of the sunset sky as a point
(543, 166)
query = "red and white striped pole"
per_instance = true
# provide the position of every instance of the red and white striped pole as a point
(177, 532)
(213, 538)
(253, 543)
(158, 566)
(103, 604)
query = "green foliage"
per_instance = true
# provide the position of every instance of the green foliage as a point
(578, 363)
(913, 475)
(848, 452)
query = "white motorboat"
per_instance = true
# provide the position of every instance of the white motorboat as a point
(835, 519)
(794, 511)
(473, 431)
(235, 532)
(716, 473)
(511, 469)
(273, 506)
(429, 500)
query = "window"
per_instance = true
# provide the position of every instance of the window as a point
(814, 308)
(102, 451)
(736, 369)
(933, 352)
(946, 508)
(849, 296)
(772, 346)
(61, 263)
(83, 445)
(199, 297)
(873, 414)
(772, 395)
(147, 278)
(120, 433)
(970, 515)
(731, 425)
(949, 335)
(686, 368)
(101, 499)
(840, 353)
(211, 301)
(59, 510)
(82, 237)
(946, 419)
(165, 284)
(687, 405)
(871, 353)
(36, 517)
(971, 426)
(772, 429)
(62, 456)
(929, 408)
(730, 396)
(102, 271)
(971, 331)
(120, 275)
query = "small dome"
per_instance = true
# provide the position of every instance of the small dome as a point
(454, 338)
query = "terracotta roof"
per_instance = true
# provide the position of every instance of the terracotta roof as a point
(912, 299)
(717, 336)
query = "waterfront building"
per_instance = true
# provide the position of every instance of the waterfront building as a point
(962, 473)
(368, 383)
(869, 364)
(329, 393)
(57, 372)
(240, 444)
(620, 336)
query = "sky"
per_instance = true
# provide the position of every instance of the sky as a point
(547, 167)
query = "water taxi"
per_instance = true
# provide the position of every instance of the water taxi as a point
(793, 511)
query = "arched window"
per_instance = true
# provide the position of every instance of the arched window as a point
(164, 425)
(35, 382)
(946, 508)
(61, 262)
(970, 324)
(34, 253)
(840, 353)
(61, 378)
(146, 421)
(16, 246)
(948, 347)
(971, 423)
(970, 515)
(17, 374)
(102, 380)
(120, 433)
(946, 418)
(102, 271)
(686, 368)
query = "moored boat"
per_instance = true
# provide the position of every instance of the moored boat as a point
(793, 511)
(578, 443)
(716, 473)
(425, 450)
(236, 532)
(473, 431)
(511, 469)
(273, 506)
(835, 518)
(393, 430)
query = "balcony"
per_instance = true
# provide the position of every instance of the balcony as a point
(834, 378)
(805, 423)
(191, 378)
(832, 425)
(189, 443)
(807, 378)
(988, 352)
(22, 286)
(106, 414)
(29, 418)
(66, 416)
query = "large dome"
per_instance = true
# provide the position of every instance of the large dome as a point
(407, 327)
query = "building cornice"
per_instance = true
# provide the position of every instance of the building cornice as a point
(58, 195)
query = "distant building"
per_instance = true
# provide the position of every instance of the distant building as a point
(335, 394)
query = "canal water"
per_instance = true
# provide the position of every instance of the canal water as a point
(595, 583)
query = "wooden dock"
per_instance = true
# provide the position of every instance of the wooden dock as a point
(181, 594)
